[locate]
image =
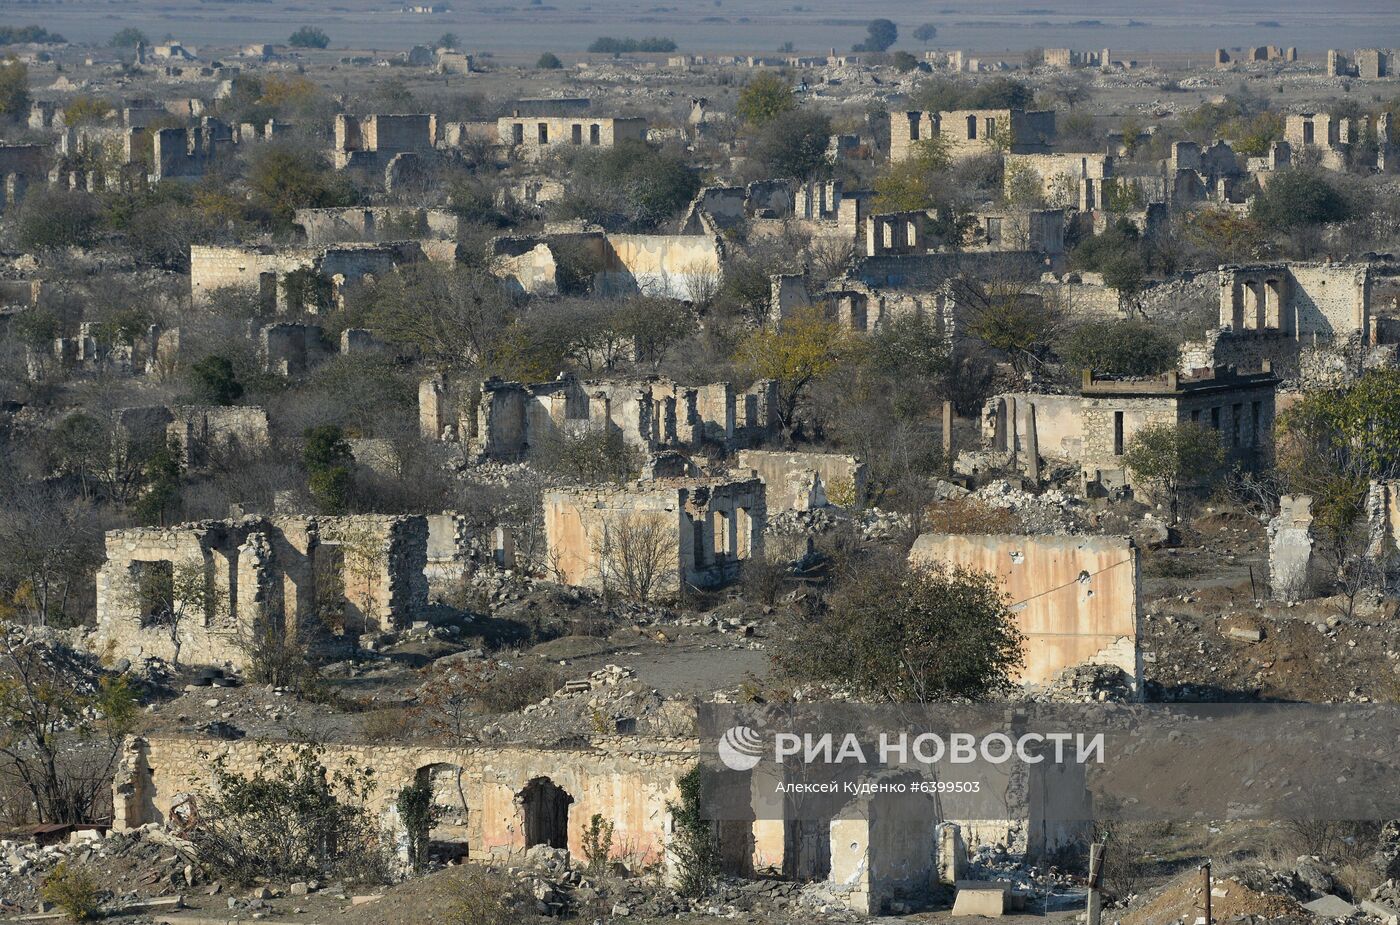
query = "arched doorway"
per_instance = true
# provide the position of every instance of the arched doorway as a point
(544, 806)
(449, 837)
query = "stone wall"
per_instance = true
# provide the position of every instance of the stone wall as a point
(692, 531)
(378, 223)
(532, 135)
(203, 432)
(801, 481)
(1074, 597)
(509, 421)
(242, 577)
(626, 781)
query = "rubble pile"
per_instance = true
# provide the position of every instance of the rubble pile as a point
(1086, 684)
(130, 866)
(1052, 512)
(606, 702)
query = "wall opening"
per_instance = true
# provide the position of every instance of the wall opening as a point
(155, 590)
(545, 806)
(1117, 433)
(448, 838)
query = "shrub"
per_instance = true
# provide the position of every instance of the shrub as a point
(1298, 198)
(549, 62)
(487, 897)
(418, 815)
(607, 45)
(308, 37)
(214, 381)
(693, 843)
(512, 688)
(1130, 347)
(597, 844)
(128, 38)
(72, 888)
(54, 218)
(290, 818)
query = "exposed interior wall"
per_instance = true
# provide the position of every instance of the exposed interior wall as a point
(1074, 597)
(793, 481)
(250, 575)
(703, 530)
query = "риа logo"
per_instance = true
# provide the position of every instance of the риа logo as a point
(741, 749)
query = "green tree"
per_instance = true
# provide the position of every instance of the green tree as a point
(308, 37)
(880, 34)
(630, 186)
(926, 33)
(1332, 444)
(286, 177)
(14, 90)
(693, 844)
(448, 312)
(903, 632)
(447, 40)
(1129, 347)
(805, 347)
(904, 62)
(1021, 325)
(129, 37)
(1172, 454)
(328, 460)
(919, 181)
(160, 493)
(214, 380)
(764, 98)
(1298, 198)
(549, 61)
(793, 145)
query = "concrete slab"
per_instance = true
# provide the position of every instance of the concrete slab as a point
(1331, 906)
(984, 899)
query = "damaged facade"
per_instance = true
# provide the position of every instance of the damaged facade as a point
(682, 532)
(507, 421)
(207, 592)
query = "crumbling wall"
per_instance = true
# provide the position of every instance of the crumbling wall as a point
(701, 529)
(202, 432)
(801, 481)
(626, 782)
(277, 575)
(328, 226)
(1074, 597)
(1294, 569)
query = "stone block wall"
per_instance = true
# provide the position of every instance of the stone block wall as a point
(320, 580)
(800, 481)
(702, 529)
(626, 781)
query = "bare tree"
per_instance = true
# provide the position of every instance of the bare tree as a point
(169, 598)
(59, 742)
(636, 554)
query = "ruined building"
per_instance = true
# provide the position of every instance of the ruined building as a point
(670, 533)
(532, 137)
(971, 132)
(688, 267)
(1365, 63)
(371, 142)
(1313, 322)
(1094, 428)
(509, 420)
(1074, 597)
(209, 591)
